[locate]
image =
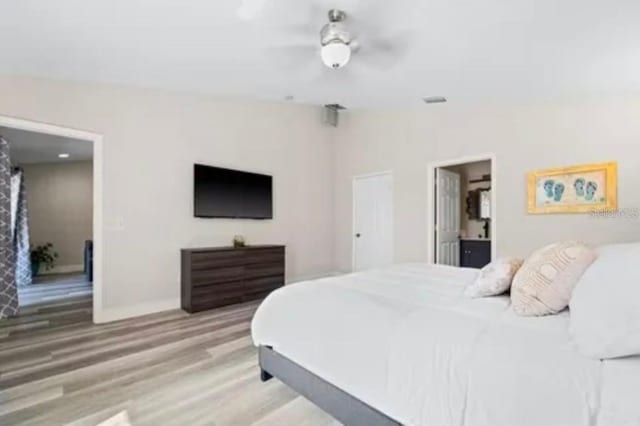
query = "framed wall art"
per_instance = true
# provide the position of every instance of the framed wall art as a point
(576, 189)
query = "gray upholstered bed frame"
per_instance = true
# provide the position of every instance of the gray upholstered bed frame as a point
(341, 405)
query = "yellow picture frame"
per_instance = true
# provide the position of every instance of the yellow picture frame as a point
(576, 189)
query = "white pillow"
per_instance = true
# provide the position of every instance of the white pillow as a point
(605, 305)
(543, 285)
(495, 278)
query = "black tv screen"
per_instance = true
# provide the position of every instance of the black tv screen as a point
(231, 193)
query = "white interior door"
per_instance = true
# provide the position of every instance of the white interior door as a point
(372, 221)
(447, 217)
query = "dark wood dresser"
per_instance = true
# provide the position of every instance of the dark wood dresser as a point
(220, 276)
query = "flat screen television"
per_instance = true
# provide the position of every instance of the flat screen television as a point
(227, 193)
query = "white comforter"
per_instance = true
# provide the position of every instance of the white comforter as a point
(405, 341)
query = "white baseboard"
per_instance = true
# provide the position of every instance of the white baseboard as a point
(114, 314)
(313, 277)
(61, 269)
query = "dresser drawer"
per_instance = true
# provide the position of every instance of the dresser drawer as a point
(260, 270)
(257, 285)
(259, 288)
(230, 288)
(270, 256)
(217, 275)
(207, 261)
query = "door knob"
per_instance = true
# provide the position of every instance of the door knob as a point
(358, 235)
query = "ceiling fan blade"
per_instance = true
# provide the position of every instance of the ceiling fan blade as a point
(376, 59)
(291, 56)
(284, 40)
(396, 45)
(285, 26)
(300, 44)
(374, 16)
(382, 52)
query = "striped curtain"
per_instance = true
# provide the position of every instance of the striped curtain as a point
(8, 288)
(20, 229)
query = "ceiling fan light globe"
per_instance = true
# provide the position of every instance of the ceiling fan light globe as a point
(335, 54)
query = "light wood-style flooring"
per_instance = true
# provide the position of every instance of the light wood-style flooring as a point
(50, 288)
(172, 368)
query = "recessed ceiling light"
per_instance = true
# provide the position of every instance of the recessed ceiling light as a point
(434, 99)
(63, 155)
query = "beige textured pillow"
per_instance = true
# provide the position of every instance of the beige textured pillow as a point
(495, 278)
(544, 283)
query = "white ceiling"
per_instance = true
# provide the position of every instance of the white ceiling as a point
(461, 49)
(31, 147)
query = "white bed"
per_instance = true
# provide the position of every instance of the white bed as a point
(405, 341)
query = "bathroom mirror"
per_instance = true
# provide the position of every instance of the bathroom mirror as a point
(479, 204)
(485, 204)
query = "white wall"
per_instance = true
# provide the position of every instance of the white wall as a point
(151, 140)
(60, 208)
(523, 138)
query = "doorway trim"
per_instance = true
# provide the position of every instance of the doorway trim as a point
(431, 199)
(353, 213)
(98, 163)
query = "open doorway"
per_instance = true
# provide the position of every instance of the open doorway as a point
(51, 216)
(462, 221)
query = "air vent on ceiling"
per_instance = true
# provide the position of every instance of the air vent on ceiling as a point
(434, 100)
(331, 114)
(336, 107)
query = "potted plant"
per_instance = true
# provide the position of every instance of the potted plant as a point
(42, 255)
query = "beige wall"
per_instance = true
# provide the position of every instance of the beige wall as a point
(151, 140)
(60, 208)
(522, 137)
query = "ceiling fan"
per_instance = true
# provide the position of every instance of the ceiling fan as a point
(340, 38)
(336, 41)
